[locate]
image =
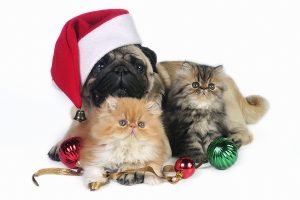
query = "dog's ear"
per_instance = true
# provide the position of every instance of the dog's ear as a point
(151, 55)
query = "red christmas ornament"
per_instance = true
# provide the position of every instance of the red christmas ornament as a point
(69, 151)
(186, 166)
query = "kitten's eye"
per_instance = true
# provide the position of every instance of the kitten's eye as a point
(122, 122)
(211, 86)
(141, 124)
(195, 84)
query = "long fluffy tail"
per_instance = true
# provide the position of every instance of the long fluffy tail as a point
(254, 108)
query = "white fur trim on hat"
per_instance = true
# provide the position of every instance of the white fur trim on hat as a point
(117, 32)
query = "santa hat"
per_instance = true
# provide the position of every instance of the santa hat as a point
(83, 41)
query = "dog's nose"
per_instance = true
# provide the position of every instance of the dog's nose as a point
(120, 69)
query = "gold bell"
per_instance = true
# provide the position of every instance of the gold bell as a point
(80, 116)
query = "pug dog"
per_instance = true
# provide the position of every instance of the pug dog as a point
(128, 71)
(240, 110)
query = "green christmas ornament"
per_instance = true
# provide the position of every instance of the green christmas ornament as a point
(222, 153)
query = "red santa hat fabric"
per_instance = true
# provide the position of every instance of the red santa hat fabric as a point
(83, 41)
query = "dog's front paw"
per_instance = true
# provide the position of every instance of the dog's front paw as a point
(131, 178)
(53, 153)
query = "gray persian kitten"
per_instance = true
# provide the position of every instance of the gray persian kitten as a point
(194, 111)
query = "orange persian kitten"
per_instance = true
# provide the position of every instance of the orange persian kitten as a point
(125, 133)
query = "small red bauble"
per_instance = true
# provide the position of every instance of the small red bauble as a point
(69, 151)
(186, 166)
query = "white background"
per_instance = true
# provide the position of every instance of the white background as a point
(257, 41)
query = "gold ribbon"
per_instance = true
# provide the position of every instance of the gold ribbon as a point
(166, 169)
(56, 171)
(78, 172)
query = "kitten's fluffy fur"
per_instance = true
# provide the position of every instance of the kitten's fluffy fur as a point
(194, 110)
(239, 110)
(117, 142)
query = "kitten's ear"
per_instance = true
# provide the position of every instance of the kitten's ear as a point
(219, 69)
(111, 103)
(153, 108)
(186, 66)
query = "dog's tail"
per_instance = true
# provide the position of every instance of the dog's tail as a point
(253, 107)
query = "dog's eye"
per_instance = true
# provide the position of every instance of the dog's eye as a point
(195, 85)
(122, 122)
(141, 124)
(140, 67)
(100, 65)
(211, 86)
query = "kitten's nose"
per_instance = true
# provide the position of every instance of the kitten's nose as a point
(132, 125)
(120, 69)
(204, 92)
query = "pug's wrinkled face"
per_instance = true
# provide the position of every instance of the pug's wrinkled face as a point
(123, 72)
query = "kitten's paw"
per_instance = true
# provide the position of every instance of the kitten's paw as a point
(152, 179)
(93, 186)
(237, 141)
(94, 177)
(53, 153)
(199, 159)
(241, 139)
(131, 178)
